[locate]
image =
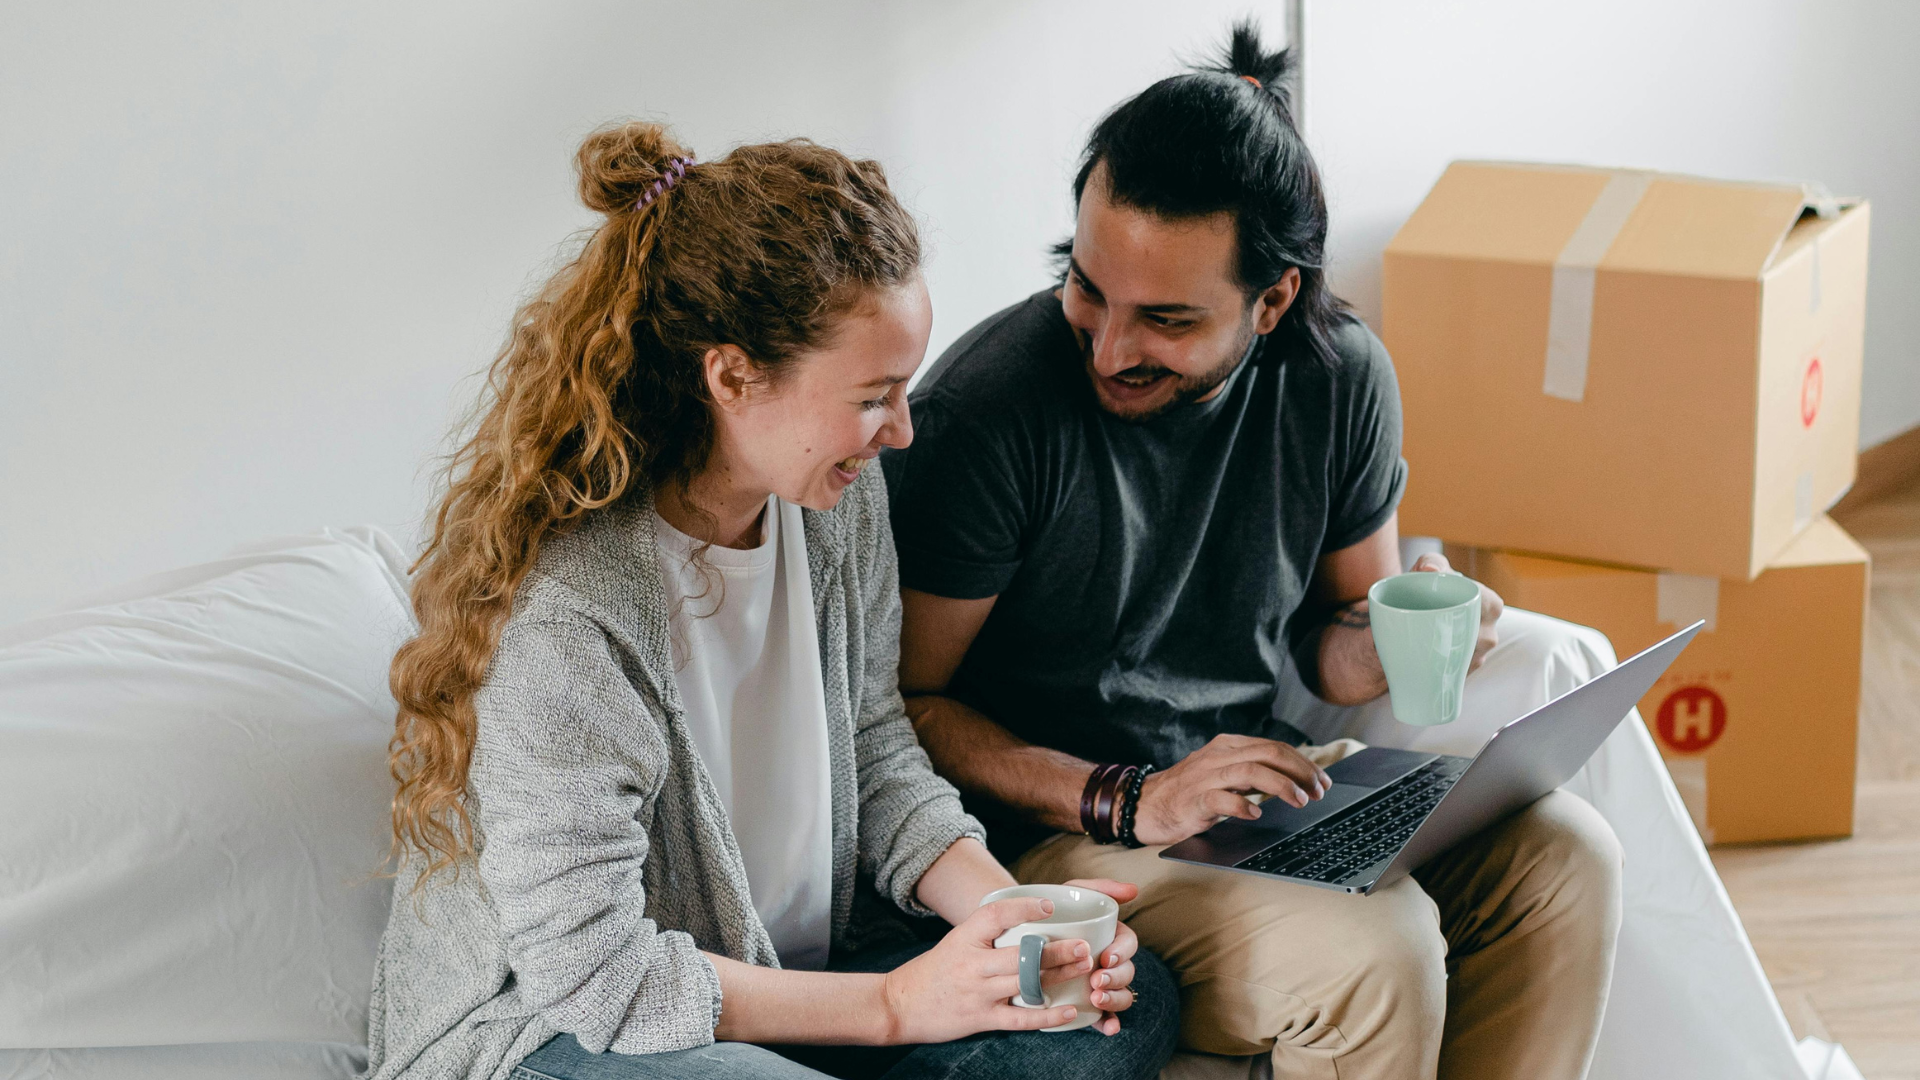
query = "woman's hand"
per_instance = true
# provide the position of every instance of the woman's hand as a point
(1112, 980)
(964, 985)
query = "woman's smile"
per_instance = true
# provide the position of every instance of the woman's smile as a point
(847, 469)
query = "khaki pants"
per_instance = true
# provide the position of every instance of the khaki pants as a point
(1491, 962)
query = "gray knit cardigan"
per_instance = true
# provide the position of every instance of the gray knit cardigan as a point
(605, 858)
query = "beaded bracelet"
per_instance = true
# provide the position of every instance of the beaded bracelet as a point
(1131, 805)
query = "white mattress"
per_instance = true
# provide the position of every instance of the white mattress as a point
(199, 1061)
(194, 796)
(193, 809)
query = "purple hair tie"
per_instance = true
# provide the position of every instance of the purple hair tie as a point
(676, 168)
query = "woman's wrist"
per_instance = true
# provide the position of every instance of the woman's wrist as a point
(888, 1012)
(956, 881)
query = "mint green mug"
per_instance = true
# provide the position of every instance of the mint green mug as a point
(1424, 628)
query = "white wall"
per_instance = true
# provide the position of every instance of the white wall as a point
(251, 256)
(989, 106)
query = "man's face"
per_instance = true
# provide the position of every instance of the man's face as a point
(1157, 306)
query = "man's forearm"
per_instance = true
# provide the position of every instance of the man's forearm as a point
(983, 758)
(1350, 671)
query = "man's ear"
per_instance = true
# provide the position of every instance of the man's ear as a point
(728, 374)
(1275, 301)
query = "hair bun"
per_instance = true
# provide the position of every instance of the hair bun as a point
(618, 163)
(1245, 57)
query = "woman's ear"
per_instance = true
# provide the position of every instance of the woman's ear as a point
(728, 373)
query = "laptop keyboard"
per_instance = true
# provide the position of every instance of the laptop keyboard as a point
(1336, 849)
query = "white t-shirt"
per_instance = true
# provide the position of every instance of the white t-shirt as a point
(746, 657)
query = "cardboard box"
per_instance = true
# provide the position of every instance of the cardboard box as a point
(1633, 367)
(1759, 717)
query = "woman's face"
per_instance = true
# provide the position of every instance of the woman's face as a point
(807, 435)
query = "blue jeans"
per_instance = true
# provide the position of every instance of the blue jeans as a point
(1145, 1042)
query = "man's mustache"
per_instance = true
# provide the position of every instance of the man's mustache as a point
(1138, 371)
(1142, 372)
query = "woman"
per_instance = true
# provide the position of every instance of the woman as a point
(656, 780)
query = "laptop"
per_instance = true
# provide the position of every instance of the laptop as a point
(1389, 811)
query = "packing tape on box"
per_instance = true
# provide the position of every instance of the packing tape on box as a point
(1570, 314)
(1813, 291)
(1690, 780)
(1684, 599)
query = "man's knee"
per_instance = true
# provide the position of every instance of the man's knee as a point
(1564, 835)
(1352, 970)
(1560, 654)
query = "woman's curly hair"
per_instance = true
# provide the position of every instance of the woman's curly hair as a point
(599, 392)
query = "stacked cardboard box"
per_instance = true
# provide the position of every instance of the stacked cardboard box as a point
(1650, 385)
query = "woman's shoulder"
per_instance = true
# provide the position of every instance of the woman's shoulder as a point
(599, 579)
(605, 559)
(586, 643)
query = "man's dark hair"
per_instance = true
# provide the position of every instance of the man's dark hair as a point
(1210, 141)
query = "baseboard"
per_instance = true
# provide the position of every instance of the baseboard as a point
(1885, 468)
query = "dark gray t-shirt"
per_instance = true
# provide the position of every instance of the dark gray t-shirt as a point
(1151, 576)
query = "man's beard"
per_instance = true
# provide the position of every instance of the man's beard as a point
(1187, 388)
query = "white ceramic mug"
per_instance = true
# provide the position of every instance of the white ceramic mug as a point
(1078, 914)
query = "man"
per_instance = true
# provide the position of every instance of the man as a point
(1131, 500)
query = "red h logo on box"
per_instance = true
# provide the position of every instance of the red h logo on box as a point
(1811, 385)
(1691, 719)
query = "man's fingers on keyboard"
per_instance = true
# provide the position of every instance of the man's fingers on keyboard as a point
(1282, 758)
(1223, 803)
(1248, 776)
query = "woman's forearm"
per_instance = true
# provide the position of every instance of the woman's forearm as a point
(805, 1008)
(957, 880)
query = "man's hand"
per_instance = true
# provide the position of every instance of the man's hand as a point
(1490, 607)
(1346, 664)
(1214, 781)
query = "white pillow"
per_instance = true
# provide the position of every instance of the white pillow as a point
(194, 799)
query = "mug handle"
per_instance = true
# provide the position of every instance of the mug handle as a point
(1030, 947)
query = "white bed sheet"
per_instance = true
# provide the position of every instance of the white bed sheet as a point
(193, 799)
(198, 1061)
(193, 802)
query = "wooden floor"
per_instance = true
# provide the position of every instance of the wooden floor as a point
(1837, 923)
